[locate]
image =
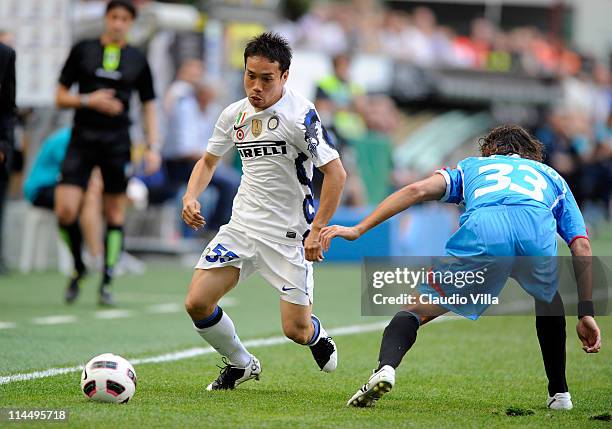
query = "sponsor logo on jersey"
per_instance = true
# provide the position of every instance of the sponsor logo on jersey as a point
(236, 128)
(263, 148)
(273, 123)
(106, 74)
(291, 234)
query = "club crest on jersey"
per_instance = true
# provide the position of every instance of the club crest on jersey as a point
(256, 127)
(273, 123)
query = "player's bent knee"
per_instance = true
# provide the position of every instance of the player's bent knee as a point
(199, 309)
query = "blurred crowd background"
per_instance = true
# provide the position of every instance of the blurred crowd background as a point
(405, 87)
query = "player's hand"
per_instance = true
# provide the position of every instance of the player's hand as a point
(589, 334)
(152, 161)
(312, 247)
(347, 232)
(104, 101)
(191, 213)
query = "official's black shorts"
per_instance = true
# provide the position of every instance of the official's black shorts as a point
(108, 149)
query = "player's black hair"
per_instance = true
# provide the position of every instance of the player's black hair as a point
(126, 4)
(509, 139)
(272, 46)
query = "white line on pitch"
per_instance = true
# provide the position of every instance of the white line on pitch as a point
(7, 325)
(54, 320)
(174, 307)
(169, 307)
(198, 351)
(112, 314)
(228, 301)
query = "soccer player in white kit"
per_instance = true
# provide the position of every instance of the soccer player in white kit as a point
(274, 229)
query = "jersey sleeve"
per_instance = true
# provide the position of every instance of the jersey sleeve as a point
(570, 223)
(70, 71)
(221, 140)
(144, 84)
(311, 138)
(454, 185)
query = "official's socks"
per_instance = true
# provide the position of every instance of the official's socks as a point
(113, 245)
(71, 235)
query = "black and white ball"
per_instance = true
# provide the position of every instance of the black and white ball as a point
(108, 378)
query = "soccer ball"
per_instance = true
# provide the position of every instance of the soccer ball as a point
(108, 378)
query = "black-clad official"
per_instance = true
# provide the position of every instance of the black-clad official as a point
(107, 70)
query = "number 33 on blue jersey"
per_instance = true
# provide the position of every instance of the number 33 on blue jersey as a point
(510, 180)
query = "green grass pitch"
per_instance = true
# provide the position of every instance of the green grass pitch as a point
(459, 373)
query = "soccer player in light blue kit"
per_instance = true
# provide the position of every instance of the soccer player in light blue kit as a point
(514, 206)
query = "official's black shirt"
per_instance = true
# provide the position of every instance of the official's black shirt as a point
(122, 69)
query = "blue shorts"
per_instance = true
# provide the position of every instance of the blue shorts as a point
(498, 242)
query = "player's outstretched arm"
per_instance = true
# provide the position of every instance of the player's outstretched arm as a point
(430, 189)
(587, 328)
(198, 181)
(334, 177)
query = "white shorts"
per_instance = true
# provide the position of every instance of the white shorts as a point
(283, 266)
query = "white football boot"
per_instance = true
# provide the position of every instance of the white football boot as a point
(380, 382)
(561, 401)
(231, 375)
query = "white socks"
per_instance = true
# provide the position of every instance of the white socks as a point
(222, 337)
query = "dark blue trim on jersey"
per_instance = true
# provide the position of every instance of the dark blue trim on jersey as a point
(305, 235)
(302, 175)
(311, 136)
(309, 209)
(328, 138)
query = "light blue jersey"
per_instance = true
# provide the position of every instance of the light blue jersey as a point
(514, 209)
(48, 163)
(512, 181)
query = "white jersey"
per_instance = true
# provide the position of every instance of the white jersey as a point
(278, 147)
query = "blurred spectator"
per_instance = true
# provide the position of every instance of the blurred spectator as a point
(422, 35)
(341, 102)
(363, 26)
(321, 30)
(192, 112)
(474, 49)
(394, 35)
(39, 189)
(8, 111)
